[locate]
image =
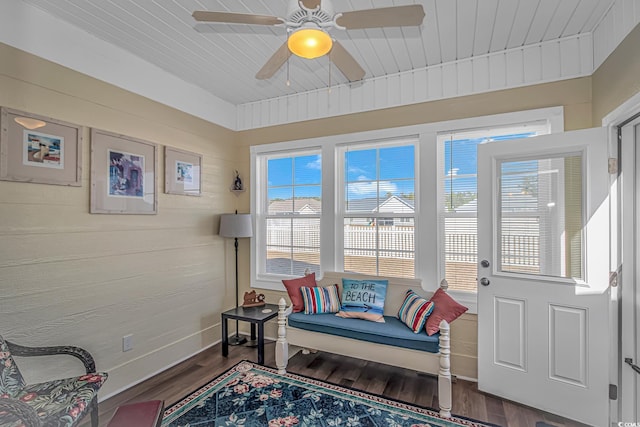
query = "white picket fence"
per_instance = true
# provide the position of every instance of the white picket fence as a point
(398, 241)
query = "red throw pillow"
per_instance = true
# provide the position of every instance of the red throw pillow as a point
(293, 289)
(445, 308)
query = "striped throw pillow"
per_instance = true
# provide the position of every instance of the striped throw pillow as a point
(414, 311)
(321, 300)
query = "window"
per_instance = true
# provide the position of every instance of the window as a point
(395, 202)
(458, 204)
(291, 220)
(540, 219)
(378, 208)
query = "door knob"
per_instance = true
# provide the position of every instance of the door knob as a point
(485, 263)
(484, 281)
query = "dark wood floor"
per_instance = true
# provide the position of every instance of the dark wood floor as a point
(389, 381)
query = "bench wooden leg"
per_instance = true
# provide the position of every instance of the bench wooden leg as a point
(282, 346)
(444, 373)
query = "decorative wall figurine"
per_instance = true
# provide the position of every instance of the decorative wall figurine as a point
(237, 182)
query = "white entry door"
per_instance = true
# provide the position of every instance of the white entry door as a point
(543, 273)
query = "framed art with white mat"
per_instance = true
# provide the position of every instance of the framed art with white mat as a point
(182, 172)
(123, 174)
(39, 149)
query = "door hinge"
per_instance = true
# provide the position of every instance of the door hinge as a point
(613, 165)
(613, 392)
(629, 361)
(613, 279)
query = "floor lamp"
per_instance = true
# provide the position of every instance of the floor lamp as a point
(236, 226)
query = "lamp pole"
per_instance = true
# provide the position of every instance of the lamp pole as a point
(236, 226)
(237, 339)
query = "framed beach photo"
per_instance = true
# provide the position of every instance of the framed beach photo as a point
(182, 172)
(123, 174)
(39, 149)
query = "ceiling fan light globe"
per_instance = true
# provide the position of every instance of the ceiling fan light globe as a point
(309, 43)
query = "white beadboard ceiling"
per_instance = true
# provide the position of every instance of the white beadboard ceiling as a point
(221, 60)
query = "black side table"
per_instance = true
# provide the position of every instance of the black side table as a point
(254, 315)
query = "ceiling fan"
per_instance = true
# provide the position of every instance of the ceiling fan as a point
(307, 24)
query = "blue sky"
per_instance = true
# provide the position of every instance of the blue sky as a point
(461, 161)
(368, 172)
(375, 171)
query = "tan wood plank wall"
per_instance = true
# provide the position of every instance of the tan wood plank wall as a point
(71, 277)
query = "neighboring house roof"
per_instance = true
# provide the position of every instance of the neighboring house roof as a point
(517, 202)
(299, 205)
(367, 204)
(390, 204)
(396, 204)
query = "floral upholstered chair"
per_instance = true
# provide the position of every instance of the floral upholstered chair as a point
(57, 403)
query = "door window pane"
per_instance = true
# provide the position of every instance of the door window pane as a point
(540, 217)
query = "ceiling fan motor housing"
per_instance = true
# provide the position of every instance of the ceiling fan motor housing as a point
(299, 14)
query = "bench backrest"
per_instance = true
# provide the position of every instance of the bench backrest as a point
(396, 290)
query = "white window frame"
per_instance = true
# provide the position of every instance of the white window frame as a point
(341, 211)
(259, 207)
(262, 211)
(427, 249)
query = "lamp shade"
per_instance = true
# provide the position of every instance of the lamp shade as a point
(309, 42)
(235, 225)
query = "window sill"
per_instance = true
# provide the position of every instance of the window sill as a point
(269, 284)
(468, 299)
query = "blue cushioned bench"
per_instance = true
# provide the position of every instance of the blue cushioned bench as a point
(393, 332)
(392, 342)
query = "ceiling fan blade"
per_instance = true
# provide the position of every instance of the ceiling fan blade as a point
(395, 16)
(346, 63)
(235, 18)
(311, 4)
(274, 63)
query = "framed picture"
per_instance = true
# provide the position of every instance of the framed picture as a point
(39, 149)
(123, 174)
(182, 172)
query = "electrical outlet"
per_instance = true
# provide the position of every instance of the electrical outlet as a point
(127, 342)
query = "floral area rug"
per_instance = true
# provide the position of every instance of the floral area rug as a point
(251, 395)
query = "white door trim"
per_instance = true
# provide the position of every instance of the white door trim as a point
(630, 186)
(611, 121)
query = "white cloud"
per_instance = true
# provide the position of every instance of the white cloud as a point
(316, 164)
(353, 169)
(370, 188)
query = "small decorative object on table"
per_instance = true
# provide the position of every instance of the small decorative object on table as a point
(253, 300)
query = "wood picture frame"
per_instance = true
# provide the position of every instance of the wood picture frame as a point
(39, 149)
(123, 174)
(182, 172)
